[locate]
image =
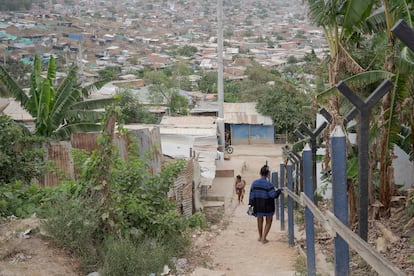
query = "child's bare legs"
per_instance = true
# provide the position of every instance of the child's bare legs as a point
(269, 220)
(260, 227)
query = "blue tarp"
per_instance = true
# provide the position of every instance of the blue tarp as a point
(78, 37)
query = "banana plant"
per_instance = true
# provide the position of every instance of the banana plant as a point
(396, 116)
(339, 20)
(58, 110)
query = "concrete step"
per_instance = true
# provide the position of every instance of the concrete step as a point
(209, 203)
(213, 197)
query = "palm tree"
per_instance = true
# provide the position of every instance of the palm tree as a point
(339, 20)
(396, 118)
(58, 111)
(394, 104)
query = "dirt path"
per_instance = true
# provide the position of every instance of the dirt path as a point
(235, 249)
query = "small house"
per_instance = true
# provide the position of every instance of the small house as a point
(245, 126)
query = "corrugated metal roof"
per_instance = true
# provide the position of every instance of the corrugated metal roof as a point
(244, 113)
(179, 134)
(205, 106)
(187, 121)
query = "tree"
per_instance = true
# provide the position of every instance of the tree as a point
(131, 109)
(394, 103)
(395, 120)
(285, 105)
(292, 60)
(109, 73)
(259, 74)
(179, 73)
(58, 111)
(162, 91)
(187, 51)
(232, 91)
(208, 83)
(178, 104)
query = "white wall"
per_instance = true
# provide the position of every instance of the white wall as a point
(403, 168)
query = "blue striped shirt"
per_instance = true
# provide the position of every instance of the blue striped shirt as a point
(262, 198)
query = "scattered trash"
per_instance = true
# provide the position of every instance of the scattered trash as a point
(93, 274)
(182, 262)
(20, 257)
(25, 234)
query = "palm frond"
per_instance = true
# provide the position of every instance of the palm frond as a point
(376, 22)
(323, 12)
(356, 12)
(401, 10)
(88, 89)
(359, 80)
(12, 89)
(65, 131)
(51, 69)
(393, 125)
(406, 60)
(345, 60)
(77, 115)
(93, 104)
(66, 95)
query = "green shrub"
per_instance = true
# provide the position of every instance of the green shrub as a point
(74, 225)
(198, 220)
(21, 154)
(123, 257)
(19, 199)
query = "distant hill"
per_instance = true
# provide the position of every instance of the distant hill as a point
(15, 5)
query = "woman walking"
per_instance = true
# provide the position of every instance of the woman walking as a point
(262, 198)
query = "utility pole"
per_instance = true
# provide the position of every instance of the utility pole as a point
(220, 68)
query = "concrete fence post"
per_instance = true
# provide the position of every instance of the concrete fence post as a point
(275, 182)
(282, 197)
(289, 170)
(309, 224)
(340, 198)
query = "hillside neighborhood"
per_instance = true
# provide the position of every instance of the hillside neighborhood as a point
(120, 139)
(132, 35)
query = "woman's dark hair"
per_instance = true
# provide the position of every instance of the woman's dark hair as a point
(239, 176)
(264, 171)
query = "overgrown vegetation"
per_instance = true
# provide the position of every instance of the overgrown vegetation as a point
(21, 157)
(116, 217)
(132, 111)
(118, 208)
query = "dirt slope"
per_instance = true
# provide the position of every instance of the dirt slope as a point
(31, 254)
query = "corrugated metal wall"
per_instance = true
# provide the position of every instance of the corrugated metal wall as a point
(239, 134)
(261, 134)
(59, 153)
(149, 144)
(149, 147)
(245, 134)
(182, 191)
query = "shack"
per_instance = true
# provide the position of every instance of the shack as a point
(245, 126)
